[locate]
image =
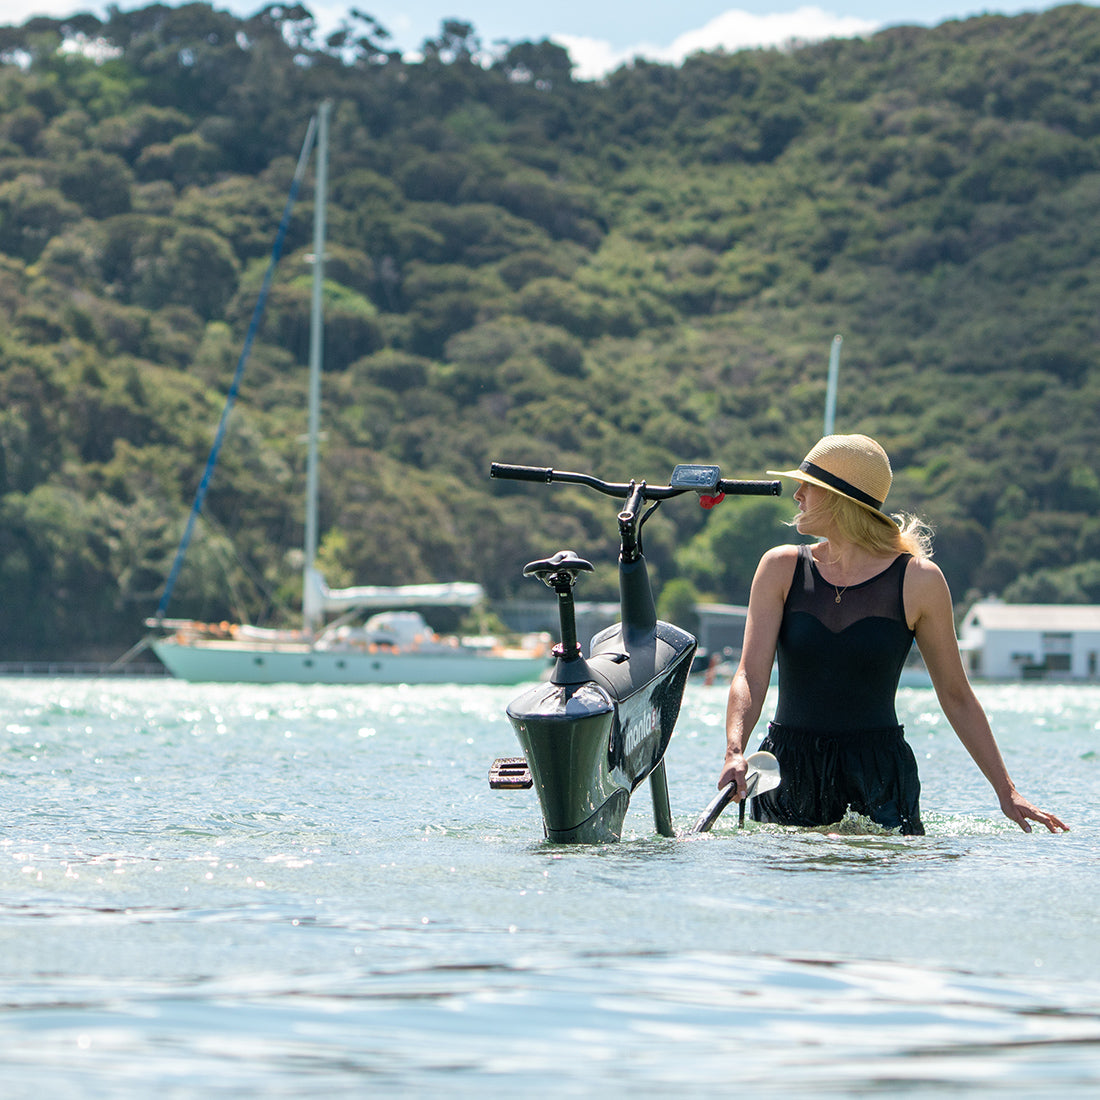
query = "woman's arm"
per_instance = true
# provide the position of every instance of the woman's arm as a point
(928, 604)
(750, 681)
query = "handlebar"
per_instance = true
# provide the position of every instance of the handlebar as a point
(732, 487)
(545, 474)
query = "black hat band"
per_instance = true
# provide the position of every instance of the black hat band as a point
(840, 485)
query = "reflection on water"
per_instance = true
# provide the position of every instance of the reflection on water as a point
(637, 1020)
(228, 891)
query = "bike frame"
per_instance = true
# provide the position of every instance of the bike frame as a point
(600, 725)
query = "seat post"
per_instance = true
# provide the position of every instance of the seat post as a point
(569, 648)
(560, 573)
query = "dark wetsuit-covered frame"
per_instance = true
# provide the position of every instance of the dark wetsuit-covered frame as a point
(836, 733)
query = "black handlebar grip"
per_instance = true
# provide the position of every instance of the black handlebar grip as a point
(521, 473)
(750, 488)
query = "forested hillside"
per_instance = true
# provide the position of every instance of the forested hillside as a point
(610, 276)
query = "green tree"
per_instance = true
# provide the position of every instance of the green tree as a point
(722, 558)
(677, 604)
(31, 213)
(101, 184)
(196, 268)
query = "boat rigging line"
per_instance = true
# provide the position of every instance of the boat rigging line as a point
(231, 397)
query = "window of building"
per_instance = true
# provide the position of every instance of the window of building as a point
(1058, 651)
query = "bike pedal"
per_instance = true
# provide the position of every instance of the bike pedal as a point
(510, 773)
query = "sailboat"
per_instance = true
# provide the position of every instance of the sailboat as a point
(396, 644)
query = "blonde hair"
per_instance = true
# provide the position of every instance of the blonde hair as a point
(911, 535)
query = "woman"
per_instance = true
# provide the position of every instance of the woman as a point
(843, 614)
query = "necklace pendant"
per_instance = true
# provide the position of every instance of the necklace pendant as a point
(838, 597)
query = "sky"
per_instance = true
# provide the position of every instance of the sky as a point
(603, 34)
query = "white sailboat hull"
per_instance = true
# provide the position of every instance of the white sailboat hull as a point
(230, 661)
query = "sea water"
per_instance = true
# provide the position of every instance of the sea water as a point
(286, 891)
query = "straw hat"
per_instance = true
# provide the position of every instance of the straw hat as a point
(853, 466)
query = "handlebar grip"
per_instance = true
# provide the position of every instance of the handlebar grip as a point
(750, 488)
(521, 473)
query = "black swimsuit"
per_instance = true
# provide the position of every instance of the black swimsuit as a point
(836, 732)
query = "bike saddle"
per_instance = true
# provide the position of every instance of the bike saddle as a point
(564, 563)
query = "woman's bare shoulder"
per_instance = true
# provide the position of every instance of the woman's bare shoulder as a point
(923, 573)
(779, 560)
(783, 553)
(926, 588)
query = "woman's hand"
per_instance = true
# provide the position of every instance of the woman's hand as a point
(1018, 809)
(733, 771)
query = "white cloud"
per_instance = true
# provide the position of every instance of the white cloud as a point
(593, 57)
(732, 30)
(735, 30)
(17, 12)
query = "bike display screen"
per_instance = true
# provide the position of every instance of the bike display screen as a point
(700, 478)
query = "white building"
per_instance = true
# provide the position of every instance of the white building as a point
(1004, 641)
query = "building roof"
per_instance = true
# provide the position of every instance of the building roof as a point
(722, 610)
(1049, 617)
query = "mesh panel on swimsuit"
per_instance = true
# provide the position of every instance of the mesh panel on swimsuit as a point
(839, 663)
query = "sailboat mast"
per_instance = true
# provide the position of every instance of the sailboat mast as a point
(830, 387)
(311, 615)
